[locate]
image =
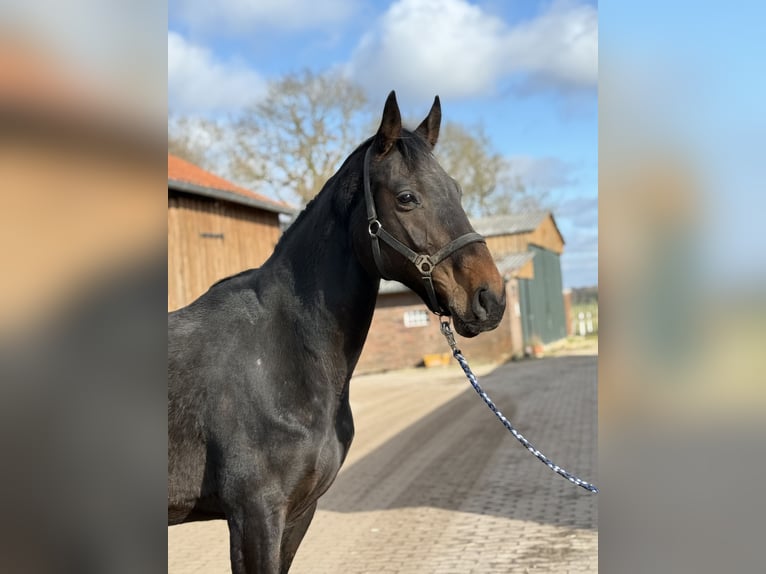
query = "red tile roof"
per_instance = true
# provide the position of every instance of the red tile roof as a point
(180, 170)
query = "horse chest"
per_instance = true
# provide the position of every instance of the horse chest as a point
(323, 458)
(318, 471)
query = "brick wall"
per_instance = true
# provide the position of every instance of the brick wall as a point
(390, 345)
(568, 310)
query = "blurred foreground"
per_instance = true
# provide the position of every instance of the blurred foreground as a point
(681, 283)
(82, 301)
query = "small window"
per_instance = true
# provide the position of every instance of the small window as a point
(417, 318)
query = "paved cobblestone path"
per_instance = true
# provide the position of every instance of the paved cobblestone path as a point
(434, 484)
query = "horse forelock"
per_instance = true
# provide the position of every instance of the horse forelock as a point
(414, 149)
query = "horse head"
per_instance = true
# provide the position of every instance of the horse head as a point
(419, 234)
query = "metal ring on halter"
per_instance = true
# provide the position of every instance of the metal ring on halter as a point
(424, 265)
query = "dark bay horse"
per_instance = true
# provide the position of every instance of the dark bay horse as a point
(259, 421)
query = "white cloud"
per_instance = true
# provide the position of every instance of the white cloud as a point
(560, 46)
(578, 211)
(199, 83)
(425, 46)
(248, 16)
(452, 47)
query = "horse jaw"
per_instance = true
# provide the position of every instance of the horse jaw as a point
(471, 328)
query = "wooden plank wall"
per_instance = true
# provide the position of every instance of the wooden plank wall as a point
(527, 271)
(500, 245)
(209, 240)
(546, 235)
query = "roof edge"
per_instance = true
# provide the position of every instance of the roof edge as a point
(229, 196)
(542, 213)
(556, 226)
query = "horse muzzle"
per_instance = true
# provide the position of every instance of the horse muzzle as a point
(484, 313)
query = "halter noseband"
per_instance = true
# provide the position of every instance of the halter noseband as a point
(424, 262)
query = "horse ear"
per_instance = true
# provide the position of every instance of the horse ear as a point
(429, 127)
(390, 126)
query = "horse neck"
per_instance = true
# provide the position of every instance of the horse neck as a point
(320, 272)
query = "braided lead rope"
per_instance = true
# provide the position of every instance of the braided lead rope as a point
(447, 332)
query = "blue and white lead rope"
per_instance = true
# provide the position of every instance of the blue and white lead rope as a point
(447, 332)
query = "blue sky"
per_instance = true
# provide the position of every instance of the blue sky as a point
(526, 71)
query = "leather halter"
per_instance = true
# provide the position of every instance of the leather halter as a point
(424, 262)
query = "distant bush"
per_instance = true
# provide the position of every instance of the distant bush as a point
(584, 295)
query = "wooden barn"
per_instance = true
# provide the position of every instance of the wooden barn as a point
(540, 285)
(215, 229)
(527, 248)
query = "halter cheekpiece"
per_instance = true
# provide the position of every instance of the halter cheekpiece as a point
(425, 263)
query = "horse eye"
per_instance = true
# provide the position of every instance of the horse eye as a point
(405, 198)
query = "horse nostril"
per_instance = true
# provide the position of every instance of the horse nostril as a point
(481, 302)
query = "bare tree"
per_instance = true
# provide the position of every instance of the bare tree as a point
(489, 185)
(291, 142)
(194, 139)
(295, 139)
